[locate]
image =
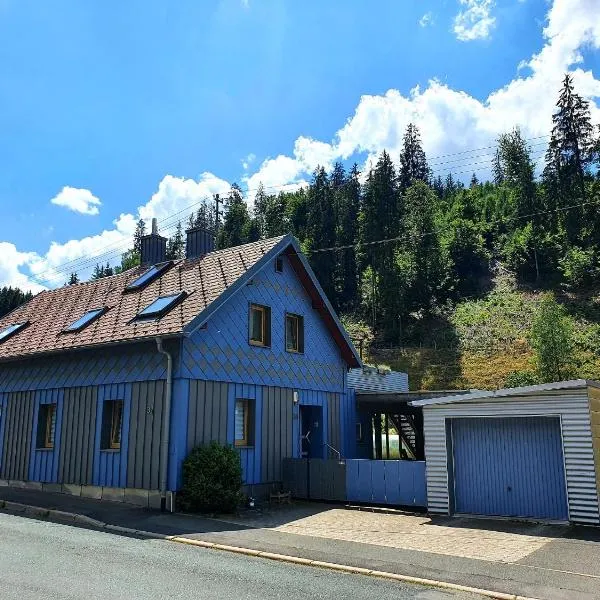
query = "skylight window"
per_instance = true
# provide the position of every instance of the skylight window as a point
(148, 276)
(86, 319)
(161, 306)
(10, 330)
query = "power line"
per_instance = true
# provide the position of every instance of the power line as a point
(441, 230)
(120, 246)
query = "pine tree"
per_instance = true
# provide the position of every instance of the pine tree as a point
(98, 272)
(380, 220)
(140, 232)
(11, 298)
(320, 230)
(234, 229)
(569, 155)
(413, 162)
(176, 244)
(73, 279)
(421, 258)
(348, 210)
(260, 210)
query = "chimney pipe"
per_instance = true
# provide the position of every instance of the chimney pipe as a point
(153, 247)
(199, 242)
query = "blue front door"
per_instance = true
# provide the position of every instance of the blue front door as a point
(510, 467)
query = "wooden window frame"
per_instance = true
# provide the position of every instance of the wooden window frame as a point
(299, 320)
(247, 441)
(112, 427)
(46, 435)
(266, 325)
(279, 264)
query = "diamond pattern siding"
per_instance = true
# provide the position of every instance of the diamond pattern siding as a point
(221, 352)
(95, 367)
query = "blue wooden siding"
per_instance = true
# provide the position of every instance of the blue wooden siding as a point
(221, 352)
(250, 457)
(43, 463)
(110, 466)
(139, 362)
(509, 467)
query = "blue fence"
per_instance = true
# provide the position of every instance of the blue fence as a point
(394, 482)
(389, 482)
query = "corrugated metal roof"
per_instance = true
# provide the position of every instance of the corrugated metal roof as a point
(503, 393)
(570, 402)
(370, 380)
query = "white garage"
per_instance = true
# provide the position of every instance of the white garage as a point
(530, 452)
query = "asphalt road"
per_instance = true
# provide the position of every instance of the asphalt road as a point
(40, 559)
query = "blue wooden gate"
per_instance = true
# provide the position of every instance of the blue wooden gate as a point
(393, 482)
(509, 467)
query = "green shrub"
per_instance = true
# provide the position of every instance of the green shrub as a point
(520, 379)
(578, 266)
(212, 479)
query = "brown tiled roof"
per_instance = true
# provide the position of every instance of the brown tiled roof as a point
(50, 312)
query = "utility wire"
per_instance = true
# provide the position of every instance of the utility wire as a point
(170, 222)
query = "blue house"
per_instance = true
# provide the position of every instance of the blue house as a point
(106, 386)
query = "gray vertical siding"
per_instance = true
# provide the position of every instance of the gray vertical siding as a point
(276, 431)
(77, 437)
(17, 438)
(207, 413)
(572, 407)
(145, 425)
(334, 435)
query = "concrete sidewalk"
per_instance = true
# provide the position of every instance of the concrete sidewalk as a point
(525, 559)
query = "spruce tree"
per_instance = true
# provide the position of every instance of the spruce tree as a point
(320, 230)
(568, 157)
(234, 229)
(413, 162)
(176, 244)
(73, 279)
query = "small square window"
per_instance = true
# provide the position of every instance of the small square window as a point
(112, 422)
(244, 423)
(279, 264)
(259, 325)
(294, 333)
(46, 426)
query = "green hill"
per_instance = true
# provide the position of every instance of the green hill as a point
(479, 342)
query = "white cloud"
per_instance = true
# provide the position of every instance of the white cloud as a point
(426, 19)
(246, 162)
(174, 199)
(450, 120)
(78, 200)
(474, 21)
(10, 262)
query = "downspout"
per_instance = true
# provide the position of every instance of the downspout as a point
(166, 428)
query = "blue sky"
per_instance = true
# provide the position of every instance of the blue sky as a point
(145, 107)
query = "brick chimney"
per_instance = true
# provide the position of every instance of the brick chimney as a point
(199, 242)
(153, 247)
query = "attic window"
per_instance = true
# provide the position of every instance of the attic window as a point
(279, 264)
(11, 330)
(160, 306)
(148, 276)
(90, 315)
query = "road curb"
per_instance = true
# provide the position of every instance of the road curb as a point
(37, 511)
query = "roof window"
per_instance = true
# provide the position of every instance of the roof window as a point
(160, 306)
(11, 330)
(148, 276)
(83, 321)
